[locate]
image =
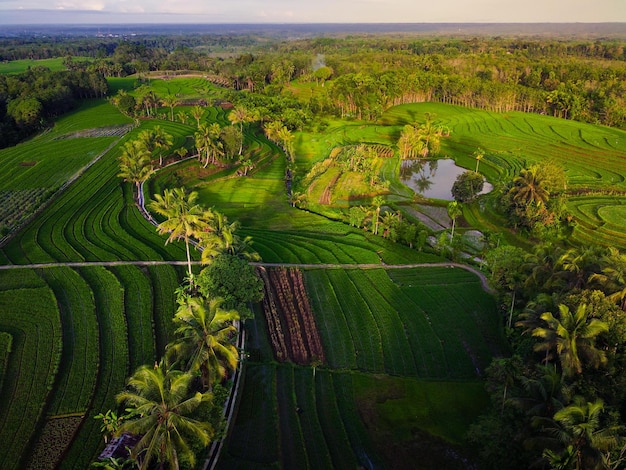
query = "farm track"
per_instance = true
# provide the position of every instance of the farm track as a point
(483, 279)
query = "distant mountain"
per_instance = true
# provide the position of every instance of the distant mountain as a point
(31, 25)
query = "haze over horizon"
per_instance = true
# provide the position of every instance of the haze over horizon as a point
(16, 12)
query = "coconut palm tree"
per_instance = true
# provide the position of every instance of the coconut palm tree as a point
(580, 428)
(204, 338)
(454, 211)
(612, 278)
(286, 138)
(431, 136)
(528, 188)
(156, 139)
(135, 164)
(207, 140)
(240, 115)
(505, 370)
(160, 402)
(378, 201)
(478, 155)
(223, 239)
(572, 336)
(183, 217)
(271, 130)
(170, 101)
(162, 141)
(410, 144)
(197, 112)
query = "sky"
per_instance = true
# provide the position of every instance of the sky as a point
(310, 11)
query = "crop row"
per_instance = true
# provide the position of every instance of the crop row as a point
(599, 219)
(32, 319)
(114, 362)
(6, 341)
(290, 320)
(17, 205)
(416, 327)
(80, 359)
(253, 442)
(54, 437)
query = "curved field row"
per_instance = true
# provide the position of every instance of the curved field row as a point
(599, 219)
(78, 371)
(96, 220)
(448, 332)
(593, 155)
(114, 363)
(293, 449)
(32, 319)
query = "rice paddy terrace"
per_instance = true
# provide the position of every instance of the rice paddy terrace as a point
(393, 341)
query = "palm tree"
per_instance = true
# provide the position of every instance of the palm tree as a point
(612, 278)
(528, 188)
(431, 136)
(478, 155)
(135, 164)
(544, 395)
(577, 264)
(454, 211)
(170, 101)
(162, 141)
(580, 428)
(286, 138)
(207, 139)
(410, 143)
(378, 201)
(156, 139)
(271, 130)
(239, 115)
(506, 371)
(183, 217)
(572, 335)
(197, 112)
(160, 403)
(204, 338)
(223, 239)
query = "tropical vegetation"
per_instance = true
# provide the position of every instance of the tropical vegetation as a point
(356, 354)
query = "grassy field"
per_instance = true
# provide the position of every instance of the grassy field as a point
(19, 66)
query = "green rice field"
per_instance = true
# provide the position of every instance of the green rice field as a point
(405, 349)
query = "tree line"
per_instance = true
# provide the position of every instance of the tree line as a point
(30, 99)
(581, 80)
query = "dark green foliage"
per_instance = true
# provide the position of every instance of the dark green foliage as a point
(234, 280)
(467, 186)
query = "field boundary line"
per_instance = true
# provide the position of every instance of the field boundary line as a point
(78, 264)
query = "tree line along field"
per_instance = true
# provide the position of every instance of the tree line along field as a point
(381, 330)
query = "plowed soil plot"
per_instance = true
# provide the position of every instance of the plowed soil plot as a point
(290, 320)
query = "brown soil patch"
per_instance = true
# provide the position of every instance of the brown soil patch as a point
(292, 328)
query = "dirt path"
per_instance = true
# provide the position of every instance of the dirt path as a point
(480, 275)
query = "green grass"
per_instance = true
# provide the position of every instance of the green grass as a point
(399, 404)
(19, 66)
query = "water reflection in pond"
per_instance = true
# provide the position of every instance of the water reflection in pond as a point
(433, 178)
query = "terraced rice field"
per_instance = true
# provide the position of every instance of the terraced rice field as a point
(415, 331)
(93, 219)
